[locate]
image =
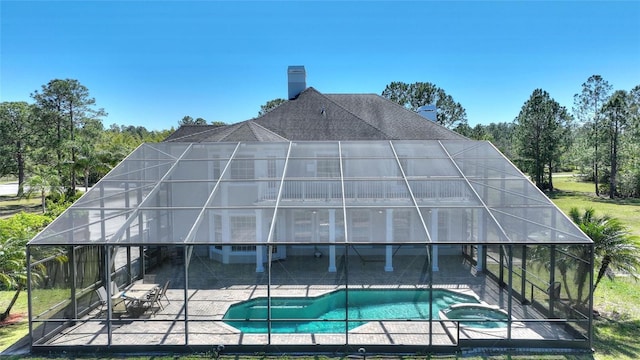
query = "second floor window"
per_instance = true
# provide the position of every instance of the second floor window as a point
(242, 169)
(327, 168)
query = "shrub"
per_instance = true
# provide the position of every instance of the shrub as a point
(23, 225)
(629, 183)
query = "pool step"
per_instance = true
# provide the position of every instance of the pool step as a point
(279, 306)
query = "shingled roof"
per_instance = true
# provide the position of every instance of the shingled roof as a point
(315, 116)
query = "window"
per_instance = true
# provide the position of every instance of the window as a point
(272, 170)
(302, 231)
(404, 164)
(243, 229)
(401, 225)
(360, 225)
(243, 248)
(242, 169)
(327, 168)
(216, 167)
(217, 228)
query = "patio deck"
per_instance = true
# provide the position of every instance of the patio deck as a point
(214, 287)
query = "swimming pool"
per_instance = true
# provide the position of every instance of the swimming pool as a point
(321, 314)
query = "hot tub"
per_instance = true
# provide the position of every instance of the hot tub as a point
(476, 315)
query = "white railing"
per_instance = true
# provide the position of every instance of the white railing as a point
(449, 190)
(332, 190)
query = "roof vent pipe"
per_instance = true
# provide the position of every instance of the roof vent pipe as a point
(297, 80)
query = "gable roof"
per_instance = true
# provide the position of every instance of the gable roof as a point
(242, 131)
(316, 116)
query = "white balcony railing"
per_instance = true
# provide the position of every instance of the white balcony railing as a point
(332, 190)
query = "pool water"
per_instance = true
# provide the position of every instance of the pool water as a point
(326, 313)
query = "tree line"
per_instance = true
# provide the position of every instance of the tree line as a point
(59, 139)
(188, 120)
(598, 138)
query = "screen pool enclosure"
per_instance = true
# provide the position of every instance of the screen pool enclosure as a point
(162, 250)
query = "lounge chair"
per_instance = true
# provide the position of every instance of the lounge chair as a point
(117, 303)
(147, 304)
(163, 293)
(102, 295)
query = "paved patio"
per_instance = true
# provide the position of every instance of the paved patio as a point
(214, 287)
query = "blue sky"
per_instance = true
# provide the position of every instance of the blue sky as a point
(151, 62)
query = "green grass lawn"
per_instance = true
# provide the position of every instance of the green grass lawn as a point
(8, 179)
(573, 193)
(616, 331)
(10, 205)
(14, 331)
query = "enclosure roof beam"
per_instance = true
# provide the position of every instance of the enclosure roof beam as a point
(413, 198)
(153, 191)
(196, 223)
(486, 208)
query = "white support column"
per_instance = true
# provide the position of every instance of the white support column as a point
(482, 236)
(332, 238)
(479, 266)
(259, 255)
(388, 267)
(434, 236)
(212, 234)
(259, 263)
(226, 236)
